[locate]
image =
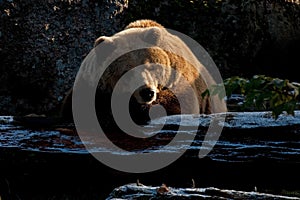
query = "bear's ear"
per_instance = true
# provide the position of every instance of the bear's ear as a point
(104, 48)
(101, 39)
(153, 35)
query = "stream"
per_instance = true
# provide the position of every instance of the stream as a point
(44, 159)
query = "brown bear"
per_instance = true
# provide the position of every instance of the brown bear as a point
(162, 71)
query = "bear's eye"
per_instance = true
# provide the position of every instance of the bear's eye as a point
(147, 94)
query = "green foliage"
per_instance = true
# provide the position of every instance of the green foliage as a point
(261, 93)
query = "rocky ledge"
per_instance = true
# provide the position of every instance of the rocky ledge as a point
(142, 192)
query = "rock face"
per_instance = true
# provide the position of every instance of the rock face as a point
(43, 43)
(42, 46)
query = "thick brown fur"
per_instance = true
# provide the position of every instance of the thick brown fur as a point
(143, 23)
(169, 53)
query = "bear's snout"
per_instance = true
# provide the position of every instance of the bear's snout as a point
(147, 94)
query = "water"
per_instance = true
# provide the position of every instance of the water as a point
(32, 158)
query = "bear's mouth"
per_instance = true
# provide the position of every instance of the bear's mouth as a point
(139, 112)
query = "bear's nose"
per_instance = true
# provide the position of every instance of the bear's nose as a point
(147, 94)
